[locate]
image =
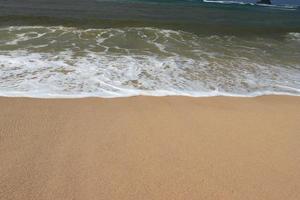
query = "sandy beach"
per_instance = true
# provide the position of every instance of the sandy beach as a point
(150, 148)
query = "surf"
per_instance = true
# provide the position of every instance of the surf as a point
(57, 61)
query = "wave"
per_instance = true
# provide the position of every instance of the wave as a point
(57, 61)
(294, 36)
(61, 75)
(274, 6)
(228, 2)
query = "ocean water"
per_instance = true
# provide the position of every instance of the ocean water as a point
(118, 48)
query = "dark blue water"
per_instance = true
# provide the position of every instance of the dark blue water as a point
(191, 15)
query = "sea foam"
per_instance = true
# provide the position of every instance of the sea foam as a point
(50, 62)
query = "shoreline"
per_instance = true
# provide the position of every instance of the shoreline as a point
(144, 147)
(150, 95)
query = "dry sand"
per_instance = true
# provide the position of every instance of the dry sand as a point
(150, 148)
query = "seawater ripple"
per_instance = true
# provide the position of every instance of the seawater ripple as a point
(58, 61)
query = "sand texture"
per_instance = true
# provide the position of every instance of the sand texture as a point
(142, 148)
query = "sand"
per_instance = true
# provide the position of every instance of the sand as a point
(150, 148)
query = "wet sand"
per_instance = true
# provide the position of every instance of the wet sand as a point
(150, 148)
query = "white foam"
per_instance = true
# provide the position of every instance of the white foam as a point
(46, 75)
(105, 63)
(224, 2)
(294, 36)
(280, 7)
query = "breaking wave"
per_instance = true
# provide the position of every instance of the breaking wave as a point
(57, 61)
